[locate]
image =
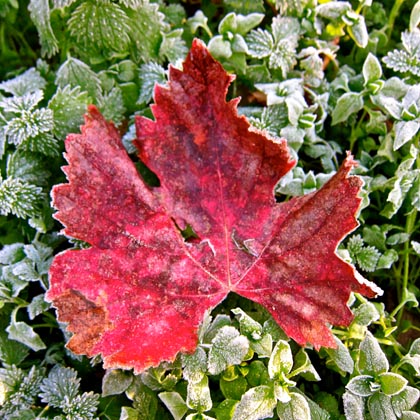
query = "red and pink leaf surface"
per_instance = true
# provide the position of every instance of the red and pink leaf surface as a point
(140, 292)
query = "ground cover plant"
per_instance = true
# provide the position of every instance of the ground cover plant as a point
(232, 211)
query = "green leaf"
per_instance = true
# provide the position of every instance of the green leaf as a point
(199, 20)
(257, 403)
(198, 395)
(228, 348)
(257, 374)
(372, 69)
(333, 10)
(28, 82)
(341, 356)
(150, 74)
(128, 413)
(260, 43)
(415, 16)
(380, 407)
(302, 366)
(219, 47)
(363, 385)
(37, 306)
(76, 73)
(296, 409)
(146, 27)
(358, 31)
(354, 407)
(68, 106)
(173, 47)
(194, 365)
(410, 415)
(347, 104)
(392, 383)
(405, 400)
(174, 403)
(281, 360)
(372, 360)
(40, 15)
(111, 105)
(233, 389)
(404, 132)
(365, 314)
(19, 198)
(22, 332)
(102, 25)
(11, 352)
(247, 325)
(115, 381)
(225, 410)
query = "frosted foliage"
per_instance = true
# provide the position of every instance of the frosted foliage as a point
(18, 198)
(195, 365)
(353, 406)
(29, 124)
(27, 82)
(20, 104)
(372, 360)
(257, 403)
(228, 348)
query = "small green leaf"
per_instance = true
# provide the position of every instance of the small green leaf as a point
(354, 406)
(40, 15)
(102, 25)
(363, 385)
(296, 409)
(116, 381)
(260, 43)
(22, 332)
(365, 314)
(347, 104)
(198, 395)
(228, 348)
(405, 400)
(392, 383)
(415, 16)
(372, 360)
(380, 407)
(257, 403)
(219, 47)
(174, 403)
(333, 10)
(281, 360)
(68, 105)
(194, 365)
(76, 73)
(404, 132)
(37, 306)
(341, 356)
(372, 69)
(225, 410)
(358, 32)
(233, 390)
(257, 374)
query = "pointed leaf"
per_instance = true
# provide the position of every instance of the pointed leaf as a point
(140, 281)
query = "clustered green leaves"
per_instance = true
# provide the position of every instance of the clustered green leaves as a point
(329, 76)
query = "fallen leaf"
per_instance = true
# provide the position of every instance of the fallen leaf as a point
(139, 293)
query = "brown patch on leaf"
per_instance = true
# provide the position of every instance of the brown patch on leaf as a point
(86, 320)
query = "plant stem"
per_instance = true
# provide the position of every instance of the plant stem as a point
(392, 16)
(409, 228)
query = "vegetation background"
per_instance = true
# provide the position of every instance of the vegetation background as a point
(329, 76)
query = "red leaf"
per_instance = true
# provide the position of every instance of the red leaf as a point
(139, 294)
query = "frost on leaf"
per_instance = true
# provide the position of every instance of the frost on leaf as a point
(140, 292)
